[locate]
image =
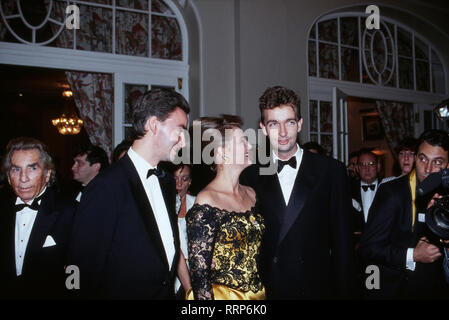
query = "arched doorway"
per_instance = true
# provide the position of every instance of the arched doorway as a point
(130, 46)
(357, 77)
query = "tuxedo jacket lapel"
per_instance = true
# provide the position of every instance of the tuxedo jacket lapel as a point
(45, 219)
(144, 207)
(169, 193)
(9, 236)
(272, 191)
(304, 183)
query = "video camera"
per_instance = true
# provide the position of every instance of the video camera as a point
(437, 216)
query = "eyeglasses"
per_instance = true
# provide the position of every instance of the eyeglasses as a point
(368, 164)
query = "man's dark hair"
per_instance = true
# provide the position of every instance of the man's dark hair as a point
(94, 154)
(314, 145)
(354, 154)
(436, 138)
(159, 102)
(122, 146)
(276, 96)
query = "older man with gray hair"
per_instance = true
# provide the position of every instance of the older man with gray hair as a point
(35, 224)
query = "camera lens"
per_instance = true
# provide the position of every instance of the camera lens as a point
(437, 218)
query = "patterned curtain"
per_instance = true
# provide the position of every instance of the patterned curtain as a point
(397, 120)
(93, 95)
(92, 92)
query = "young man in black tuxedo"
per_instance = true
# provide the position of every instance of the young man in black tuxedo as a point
(395, 239)
(35, 225)
(125, 240)
(307, 247)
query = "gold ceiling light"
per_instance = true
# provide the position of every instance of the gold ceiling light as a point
(68, 124)
(67, 94)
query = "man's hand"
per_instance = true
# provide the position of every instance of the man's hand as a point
(425, 252)
(432, 202)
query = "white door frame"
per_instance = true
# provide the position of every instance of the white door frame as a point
(322, 89)
(121, 67)
(340, 125)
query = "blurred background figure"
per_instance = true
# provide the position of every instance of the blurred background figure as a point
(184, 201)
(406, 156)
(88, 162)
(314, 147)
(121, 149)
(353, 167)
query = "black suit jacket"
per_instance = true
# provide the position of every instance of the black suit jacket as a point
(358, 216)
(116, 242)
(307, 247)
(384, 243)
(43, 273)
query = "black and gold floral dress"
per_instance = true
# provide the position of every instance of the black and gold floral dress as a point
(232, 241)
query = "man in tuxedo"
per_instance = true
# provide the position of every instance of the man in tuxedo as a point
(125, 240)
(364, 191)
(88, 162)
(35, 225)
(307, 247)
(396, 237)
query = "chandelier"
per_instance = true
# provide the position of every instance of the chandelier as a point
(70, 124)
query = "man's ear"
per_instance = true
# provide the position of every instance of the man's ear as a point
(47, 175)
(97, 166)
(264, 129)
(151, 125)
(300, 125)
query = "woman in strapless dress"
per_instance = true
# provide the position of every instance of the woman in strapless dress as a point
(224, 228)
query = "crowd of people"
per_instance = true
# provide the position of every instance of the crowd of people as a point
(309, 230)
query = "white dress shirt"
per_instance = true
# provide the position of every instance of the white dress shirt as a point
(287, 176)
(367, 197)
(24, 225)
(157, 202)
(182, 225)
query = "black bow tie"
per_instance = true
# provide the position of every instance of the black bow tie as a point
(156, 171)
(371, 186)
(291, 162)
(33, 206)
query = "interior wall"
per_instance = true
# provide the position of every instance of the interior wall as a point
(217, 55)
(249, 45)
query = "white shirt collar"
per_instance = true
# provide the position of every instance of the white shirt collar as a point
(375, 182)
(298, 155)
(20, 201)
(142, 166)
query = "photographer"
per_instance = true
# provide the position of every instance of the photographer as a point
(395, 239)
